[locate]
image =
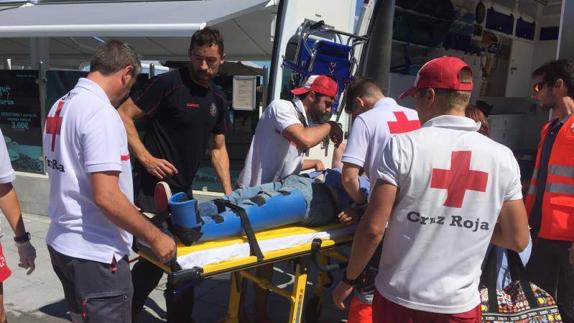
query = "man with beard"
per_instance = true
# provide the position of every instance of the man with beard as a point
(283, 134)
(550, 197)
(186, 114)
(282, 137)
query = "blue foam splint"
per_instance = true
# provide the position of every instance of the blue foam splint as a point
(266, 212)
(184, 211)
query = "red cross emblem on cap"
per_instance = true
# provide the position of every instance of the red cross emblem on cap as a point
(458, 179)
(403, 124)
(54, 124)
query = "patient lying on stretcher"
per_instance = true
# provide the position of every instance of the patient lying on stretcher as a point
(313, 199)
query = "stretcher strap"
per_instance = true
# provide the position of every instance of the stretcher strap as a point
(254, 248)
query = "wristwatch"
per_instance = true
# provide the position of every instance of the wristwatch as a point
(334, 124)
(22, 238)
(350, 282)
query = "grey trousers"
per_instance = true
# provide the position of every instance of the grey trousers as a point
(95, 292)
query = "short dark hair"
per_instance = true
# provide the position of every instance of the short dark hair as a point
(361, 86)
(114, 55)
(207, 36)
(557, 69)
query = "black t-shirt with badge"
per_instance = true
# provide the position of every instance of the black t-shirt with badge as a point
(182, 116)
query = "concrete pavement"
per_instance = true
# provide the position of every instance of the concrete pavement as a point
(39, 297)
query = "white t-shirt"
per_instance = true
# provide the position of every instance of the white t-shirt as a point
(271, 156)
(7, 174)
(371, 131)
(91, 138)
(452, 182)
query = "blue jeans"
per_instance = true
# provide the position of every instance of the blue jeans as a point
(321, 208)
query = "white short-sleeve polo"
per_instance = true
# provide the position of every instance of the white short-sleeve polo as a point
(7, 174)
(372, 130)
(84, 134)
(271, 156)
(452, 183)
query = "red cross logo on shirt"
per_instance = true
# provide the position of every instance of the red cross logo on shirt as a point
(458, 179)
(54, 124)
(402, 124)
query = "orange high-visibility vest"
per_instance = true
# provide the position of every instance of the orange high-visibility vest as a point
(557, 222)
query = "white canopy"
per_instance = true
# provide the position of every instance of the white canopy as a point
(120, 19)
(158, 30)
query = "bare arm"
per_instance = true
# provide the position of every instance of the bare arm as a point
(338, 155)
(367, 237)
(371, 228)
(350, 179)
(511, 231)
(316, 164)
(220, 162)
(11, 208)
(129, 112)
(160, 168)
(306, 137)
(121, 212)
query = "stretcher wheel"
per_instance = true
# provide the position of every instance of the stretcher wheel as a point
(312, 310)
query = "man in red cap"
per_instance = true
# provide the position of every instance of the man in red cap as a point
(445, 191)
(282, 137)
(283, 133)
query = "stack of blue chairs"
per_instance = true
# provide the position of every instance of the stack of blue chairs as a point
(322, 56)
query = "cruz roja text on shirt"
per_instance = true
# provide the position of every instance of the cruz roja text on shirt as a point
(453, 221)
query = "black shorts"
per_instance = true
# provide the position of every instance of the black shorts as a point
(96, 291)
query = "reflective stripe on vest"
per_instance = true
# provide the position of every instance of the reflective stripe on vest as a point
(535, 174)
(560, 188)
(556, 170)
(558, 200)
(566, 171)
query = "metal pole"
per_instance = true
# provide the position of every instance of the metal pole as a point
(276, 61)
(40, 60)
(264, 92)
(378, 59)
(565, 40)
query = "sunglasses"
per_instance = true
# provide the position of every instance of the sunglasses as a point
(537, 87)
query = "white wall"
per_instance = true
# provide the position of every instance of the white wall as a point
(520, 69)
(544, 51)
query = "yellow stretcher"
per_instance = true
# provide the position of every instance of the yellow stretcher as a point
(294, 243)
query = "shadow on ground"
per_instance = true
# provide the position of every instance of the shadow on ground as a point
(57, 309)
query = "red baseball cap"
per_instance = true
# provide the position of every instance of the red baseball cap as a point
(318, 83)
(441, 73)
